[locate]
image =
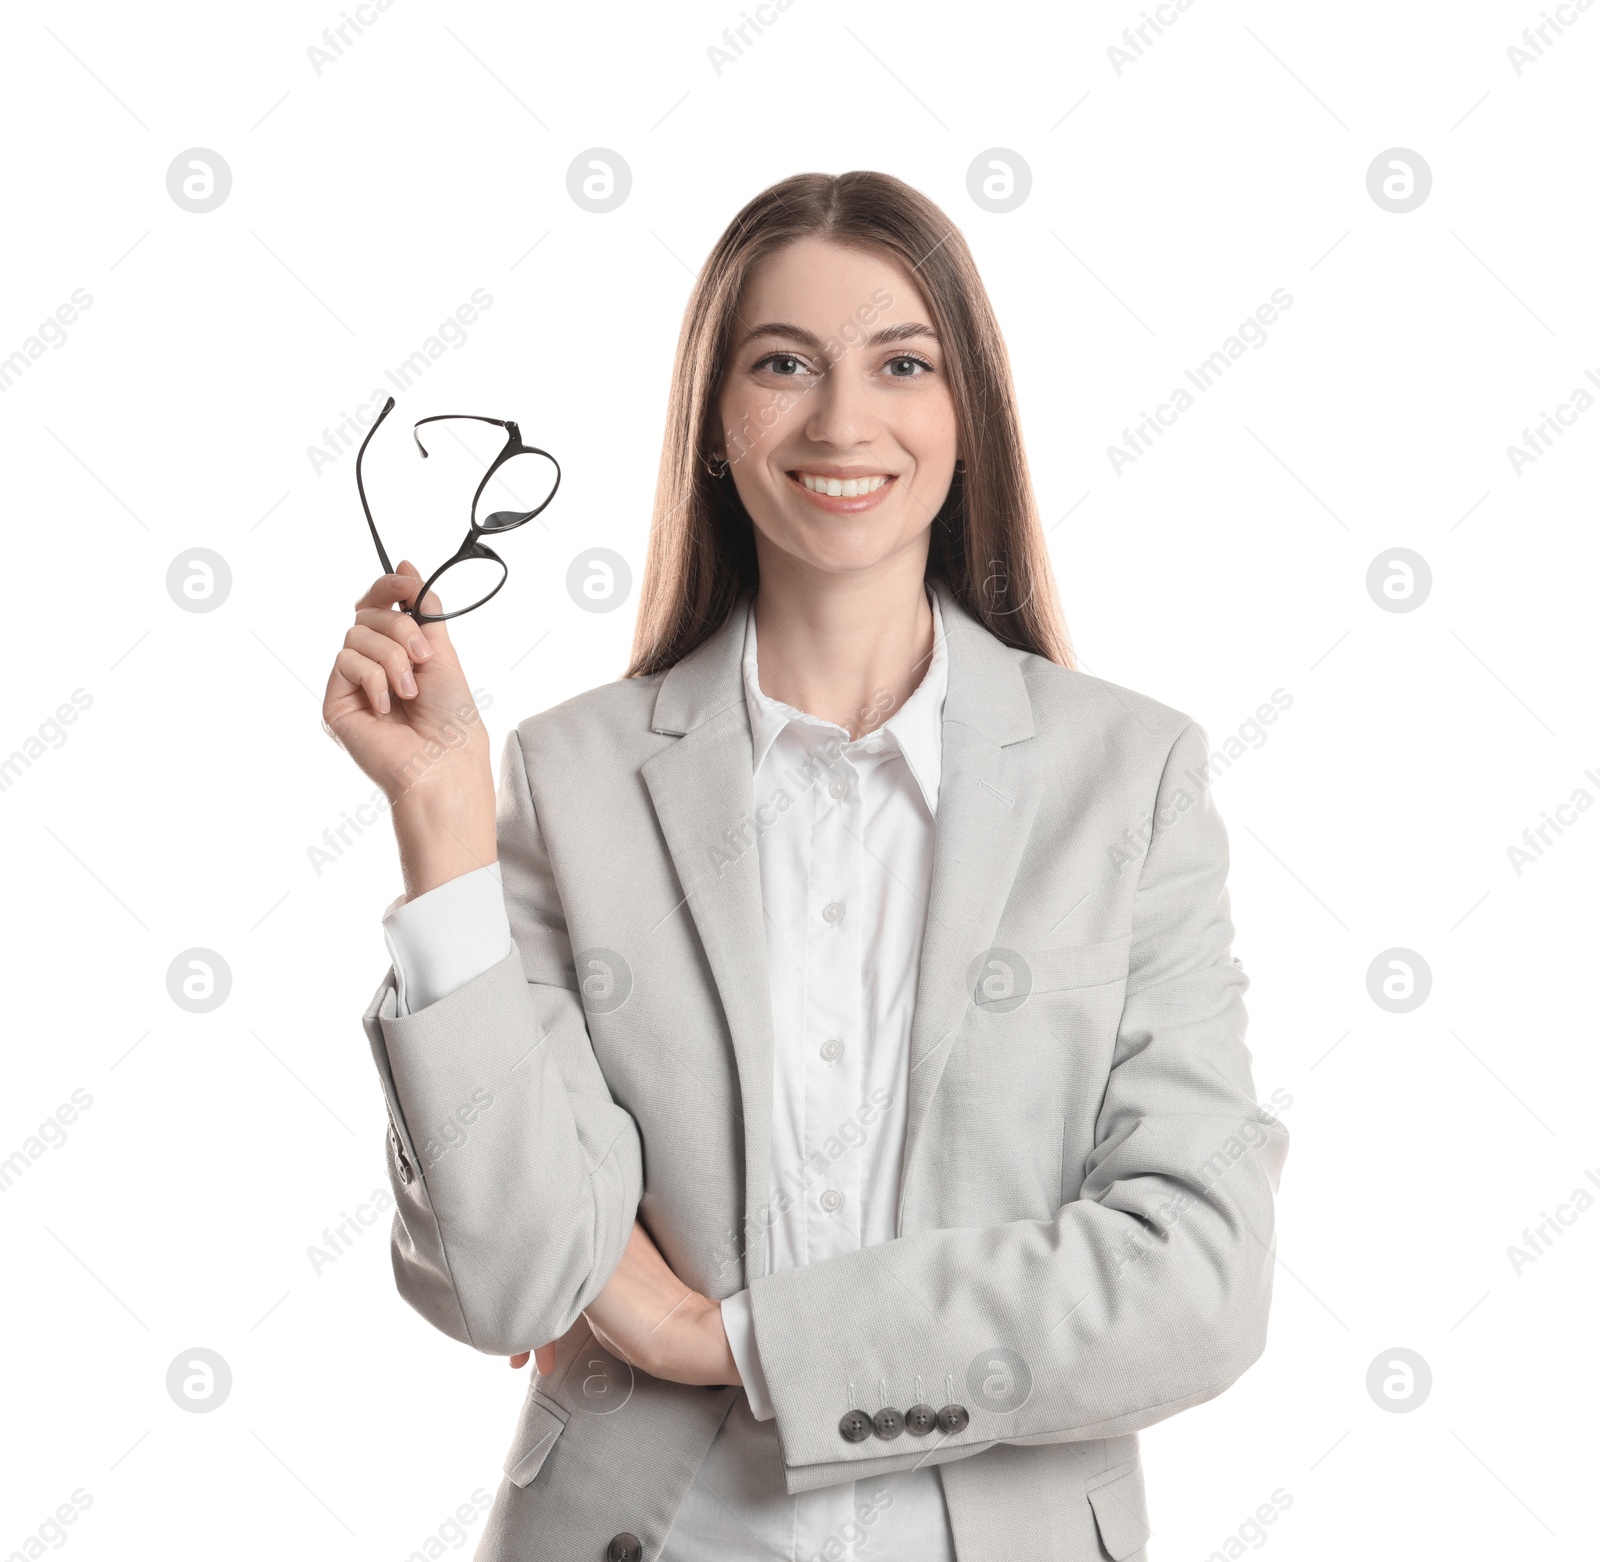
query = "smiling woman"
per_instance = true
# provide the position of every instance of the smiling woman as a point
(843, 1092)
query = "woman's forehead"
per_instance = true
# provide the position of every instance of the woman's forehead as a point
(820, 277)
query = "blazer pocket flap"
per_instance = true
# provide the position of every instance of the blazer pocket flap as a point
(1119, 1513)
(542, 1421)
(1078, 965)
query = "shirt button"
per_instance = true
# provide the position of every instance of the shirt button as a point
(832, 1049)
(838, 789)
(874, 744)
(831, 1200)
(832, 912)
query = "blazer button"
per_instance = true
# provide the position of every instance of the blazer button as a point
(888, 1424)
(855, 1427)
(624, 1548)
(921, 1419)
(401, 1163)
(954, 1418)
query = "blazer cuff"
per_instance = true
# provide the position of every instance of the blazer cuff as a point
(446, 936)
(739, 1326)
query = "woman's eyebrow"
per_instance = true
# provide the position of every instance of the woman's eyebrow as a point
(906, 330)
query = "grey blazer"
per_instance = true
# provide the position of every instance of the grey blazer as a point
(1085, 1236)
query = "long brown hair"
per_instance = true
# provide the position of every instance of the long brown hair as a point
(986, 542)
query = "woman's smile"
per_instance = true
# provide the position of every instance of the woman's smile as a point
(843, 493)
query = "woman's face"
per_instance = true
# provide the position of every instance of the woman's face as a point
(835, 413)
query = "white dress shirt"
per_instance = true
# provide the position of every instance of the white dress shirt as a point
(845, 876)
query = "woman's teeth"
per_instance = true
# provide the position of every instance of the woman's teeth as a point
(842, 488)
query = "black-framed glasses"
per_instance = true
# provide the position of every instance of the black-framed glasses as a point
(480, 571)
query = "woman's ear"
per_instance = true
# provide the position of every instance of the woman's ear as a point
(714, 446)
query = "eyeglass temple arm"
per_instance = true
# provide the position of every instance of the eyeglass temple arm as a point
(456, 417)
(366, 509)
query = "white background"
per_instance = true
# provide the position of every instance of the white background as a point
(1229, 561)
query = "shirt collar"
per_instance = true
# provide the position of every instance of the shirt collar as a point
(917, 728)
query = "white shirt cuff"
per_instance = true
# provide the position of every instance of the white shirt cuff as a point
(739, 1326)
(446, 936)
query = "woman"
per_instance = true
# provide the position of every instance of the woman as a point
(827, 1051)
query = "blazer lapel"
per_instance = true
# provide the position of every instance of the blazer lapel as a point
(703, 792)
(988, 796)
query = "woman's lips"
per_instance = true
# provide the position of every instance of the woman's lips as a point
(838, 503)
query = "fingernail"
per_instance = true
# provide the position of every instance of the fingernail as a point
(420, 647)
(408, 684)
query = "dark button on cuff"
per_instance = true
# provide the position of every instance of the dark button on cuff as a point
(402, 1165)
(954, 1418)
(888, 1424)
(624, 1548)
(921, 1419)
(855, 1427)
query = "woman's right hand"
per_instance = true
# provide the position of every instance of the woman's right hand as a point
(398, 702)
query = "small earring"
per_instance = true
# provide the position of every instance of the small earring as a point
(961, 465)
(717, 467)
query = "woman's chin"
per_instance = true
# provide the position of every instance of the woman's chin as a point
(835, 551)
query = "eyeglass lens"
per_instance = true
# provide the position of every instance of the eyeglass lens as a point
(521, 483)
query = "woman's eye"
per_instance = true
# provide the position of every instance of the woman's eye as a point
(785, 365)
(907, 365)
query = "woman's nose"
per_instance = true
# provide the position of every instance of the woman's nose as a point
(841, 414)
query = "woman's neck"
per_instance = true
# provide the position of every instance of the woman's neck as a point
(850, 649)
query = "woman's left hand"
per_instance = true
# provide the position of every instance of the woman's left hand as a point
(653, 1321)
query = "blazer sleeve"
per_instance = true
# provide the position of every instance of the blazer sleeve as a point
(1146, 1294)
(516, 1176)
